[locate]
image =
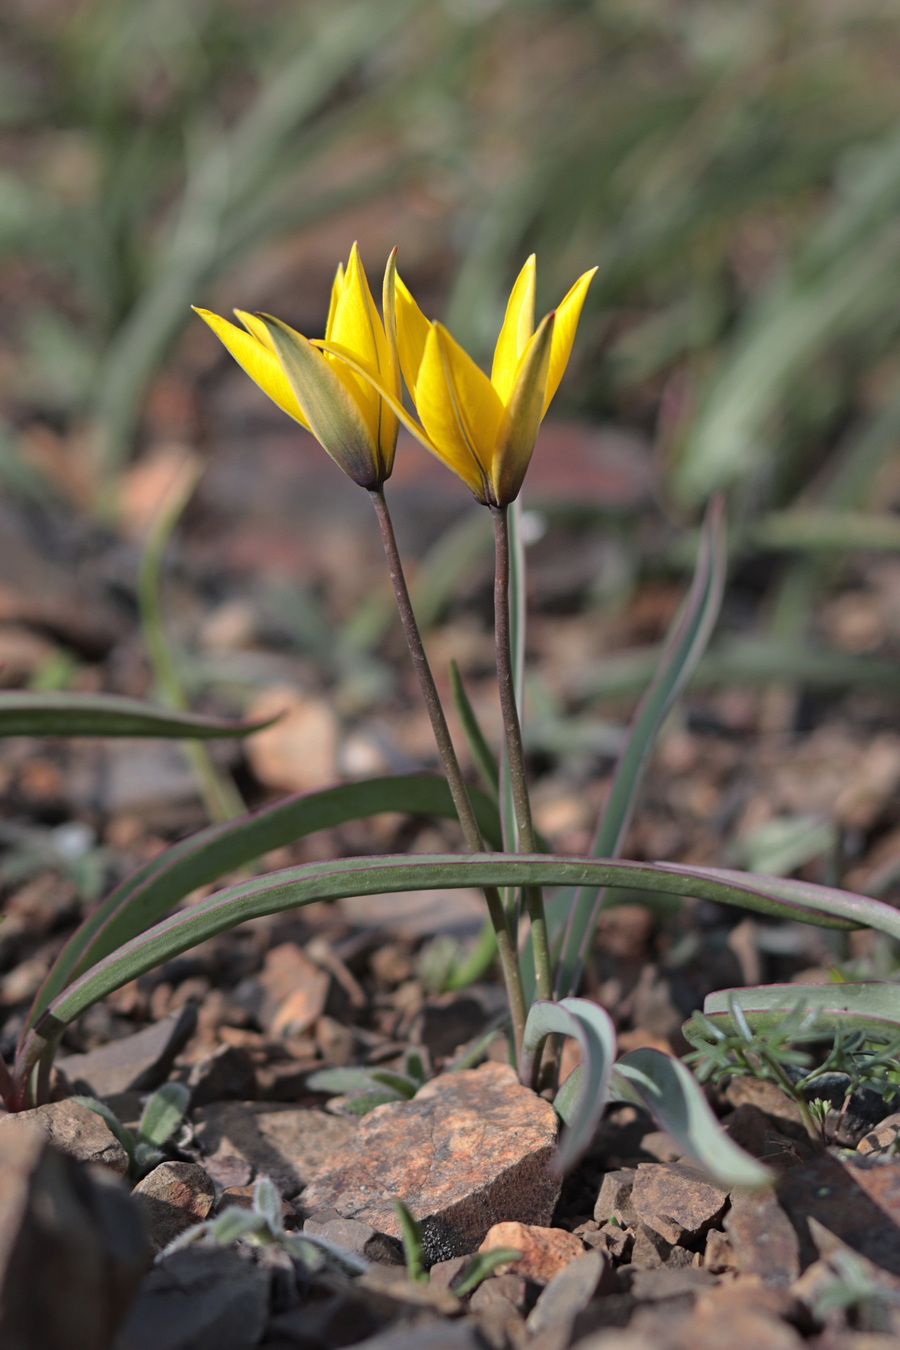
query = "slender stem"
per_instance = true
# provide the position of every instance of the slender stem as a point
(515, 755)
(471, 833)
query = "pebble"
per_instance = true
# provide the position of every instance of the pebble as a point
(545, 1251)
(136, 1063)
(568, 1293)
(297, 753)
(225, 1075)
(72, 1248)
(175, 1196)
(353, 1236)
(73, 1129)
(470, 1150)
(614, 1198)
(199, 1299)
(292, 1145)
(676, 1200)
(295, 991)
(763, 1239)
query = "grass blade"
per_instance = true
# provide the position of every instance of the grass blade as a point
(27, 712)
(333, 880)
(684, 646)
(159, 885)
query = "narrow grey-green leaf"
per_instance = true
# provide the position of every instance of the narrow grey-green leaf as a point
(332, 880)
(480, 1266)
(157, 887)
(592, 1028)
(683, 648)
(872, 1007)
(666, 1088)
(28, 712)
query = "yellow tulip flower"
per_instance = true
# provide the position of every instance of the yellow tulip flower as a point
(483, 429)
(342, 408)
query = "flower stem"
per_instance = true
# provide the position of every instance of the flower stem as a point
(471, 833)
(515, 756)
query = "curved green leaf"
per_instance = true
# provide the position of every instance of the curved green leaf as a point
(683, 648)
(663, 1086)
(582, 1107)
(332, 880)
(28, 712)
(872, 1007)
(154, 889)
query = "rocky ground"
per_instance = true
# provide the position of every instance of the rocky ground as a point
(636, 1249)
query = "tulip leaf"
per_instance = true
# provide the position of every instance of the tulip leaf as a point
(582, 1108)
(872, 1007)
(663, 1086)
(333, 880)
(27, 712)
(154, 889)
(684, 646)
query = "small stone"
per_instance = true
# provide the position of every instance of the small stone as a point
(443, 1273)
(762, 1237)
(676, 1200)
(175, 1196)
(470, 1150)
(297, 753)
(619, 1241)
(718, 1255)
(882, 1137)
(199, 1299)
(735, 1314)
(72, 1248)
(855, 1198)
(135, 1063)
(351, 1235)
(436, 1335)
(651, 1251)
(73, 1129)
(614, 1198)
(225, 1075)
(569, 1292)
(226, 1170)
(545, 1251)
(660, 1146)
(660, 1286)
(295, 991)
(768, 1098)
(292, 1145)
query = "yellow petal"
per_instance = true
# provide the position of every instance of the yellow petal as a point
(357, 326)
(412, 334)
(336, 287)
(459, 409)
(392, 400)
(518, 326)
(259, 361)
(567, 315)
(332, 413)
(522, 419)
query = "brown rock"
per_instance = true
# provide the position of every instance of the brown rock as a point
(768, 1098)
(72, 1248)
(568, 1294)
(855, 1198)
(297, 753)
(882, 1137)
(225, 1075)
(763, 1238)
(295, 988)
(470, 1150)
(545, 1251)
(175, 1196)
(73, 1129)
(676, 1200)
(614, 1198)
(651, 1251)
(718, 1255)
(292, 1145)
(721, 1323)
(136, 1063)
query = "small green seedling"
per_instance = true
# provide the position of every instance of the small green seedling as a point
(263, 1226)
(160, 1120)
(361, 1090)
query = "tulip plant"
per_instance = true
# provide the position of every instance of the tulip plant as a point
(347, 389)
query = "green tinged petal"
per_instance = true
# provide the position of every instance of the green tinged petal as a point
(567, 315)
(522, 419)
(258, 359)
(331, 412)
(459, 409)
(516, 333)
(412, 334)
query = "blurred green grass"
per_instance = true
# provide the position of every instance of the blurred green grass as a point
(733, 167)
